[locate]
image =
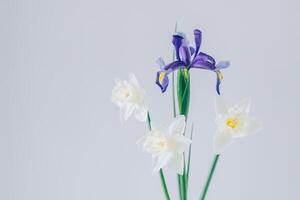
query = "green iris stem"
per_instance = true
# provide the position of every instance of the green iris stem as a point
(183, 91)
(161, 173)
(210, 175)
(173, 95)
(179, 177)
(183, 95)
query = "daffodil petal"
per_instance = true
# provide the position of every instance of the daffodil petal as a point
(254, 126)
(182, 142)
(133, 80)
(221, 141)
(177, 127)
(176, 163)
(141, 113)
(161, 161)
(241, 107)
(126, 111)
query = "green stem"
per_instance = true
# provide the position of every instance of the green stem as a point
(183, 95)
(180, 186)
(164, 185)
(184, 184)
(179, 177)
(190, 153)
(173, 93)
(149, 121)
(161, 173)
(210, 175)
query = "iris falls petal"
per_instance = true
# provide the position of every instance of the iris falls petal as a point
(162, 80)
(219, 79)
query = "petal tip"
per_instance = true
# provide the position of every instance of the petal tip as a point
(197, 31)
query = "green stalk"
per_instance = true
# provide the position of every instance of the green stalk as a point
(189, 156)
(184, 183)
(173, 81)
(179, 178)
(180, 187)
(210, 175)
(183, 95)
(161, 173)
(183, 91)
(164, 185)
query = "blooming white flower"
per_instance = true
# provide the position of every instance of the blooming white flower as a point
(167, 145)
(129, 97)
(232, 122)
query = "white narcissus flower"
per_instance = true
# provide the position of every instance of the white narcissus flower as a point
(233, 122)
(167, 145)
(129, 97)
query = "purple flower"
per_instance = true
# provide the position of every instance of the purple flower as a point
(189, 57)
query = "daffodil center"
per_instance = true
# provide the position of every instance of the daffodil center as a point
(232, 122)
(125, 94)
(162, 144)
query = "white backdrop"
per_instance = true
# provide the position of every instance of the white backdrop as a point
(60, 137)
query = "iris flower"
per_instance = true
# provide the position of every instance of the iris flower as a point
(188, 57)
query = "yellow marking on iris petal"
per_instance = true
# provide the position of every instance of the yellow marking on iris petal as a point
(220, 75)
(161, 76)
(232, 122)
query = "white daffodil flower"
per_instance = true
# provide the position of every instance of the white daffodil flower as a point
(129, 97)
(167, 145)
(233, 122)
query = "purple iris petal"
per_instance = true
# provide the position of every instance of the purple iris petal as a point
(219, 79)
(177, 41)
(185, 54)
(202, 65)
(198, 39)
(222, 64)
(206, 57)
(162, 80)
(203, 61)
(192, 50)
(174, 66)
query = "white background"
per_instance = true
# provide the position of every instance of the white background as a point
(60, 136)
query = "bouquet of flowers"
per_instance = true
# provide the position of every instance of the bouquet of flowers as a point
(171, 147)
